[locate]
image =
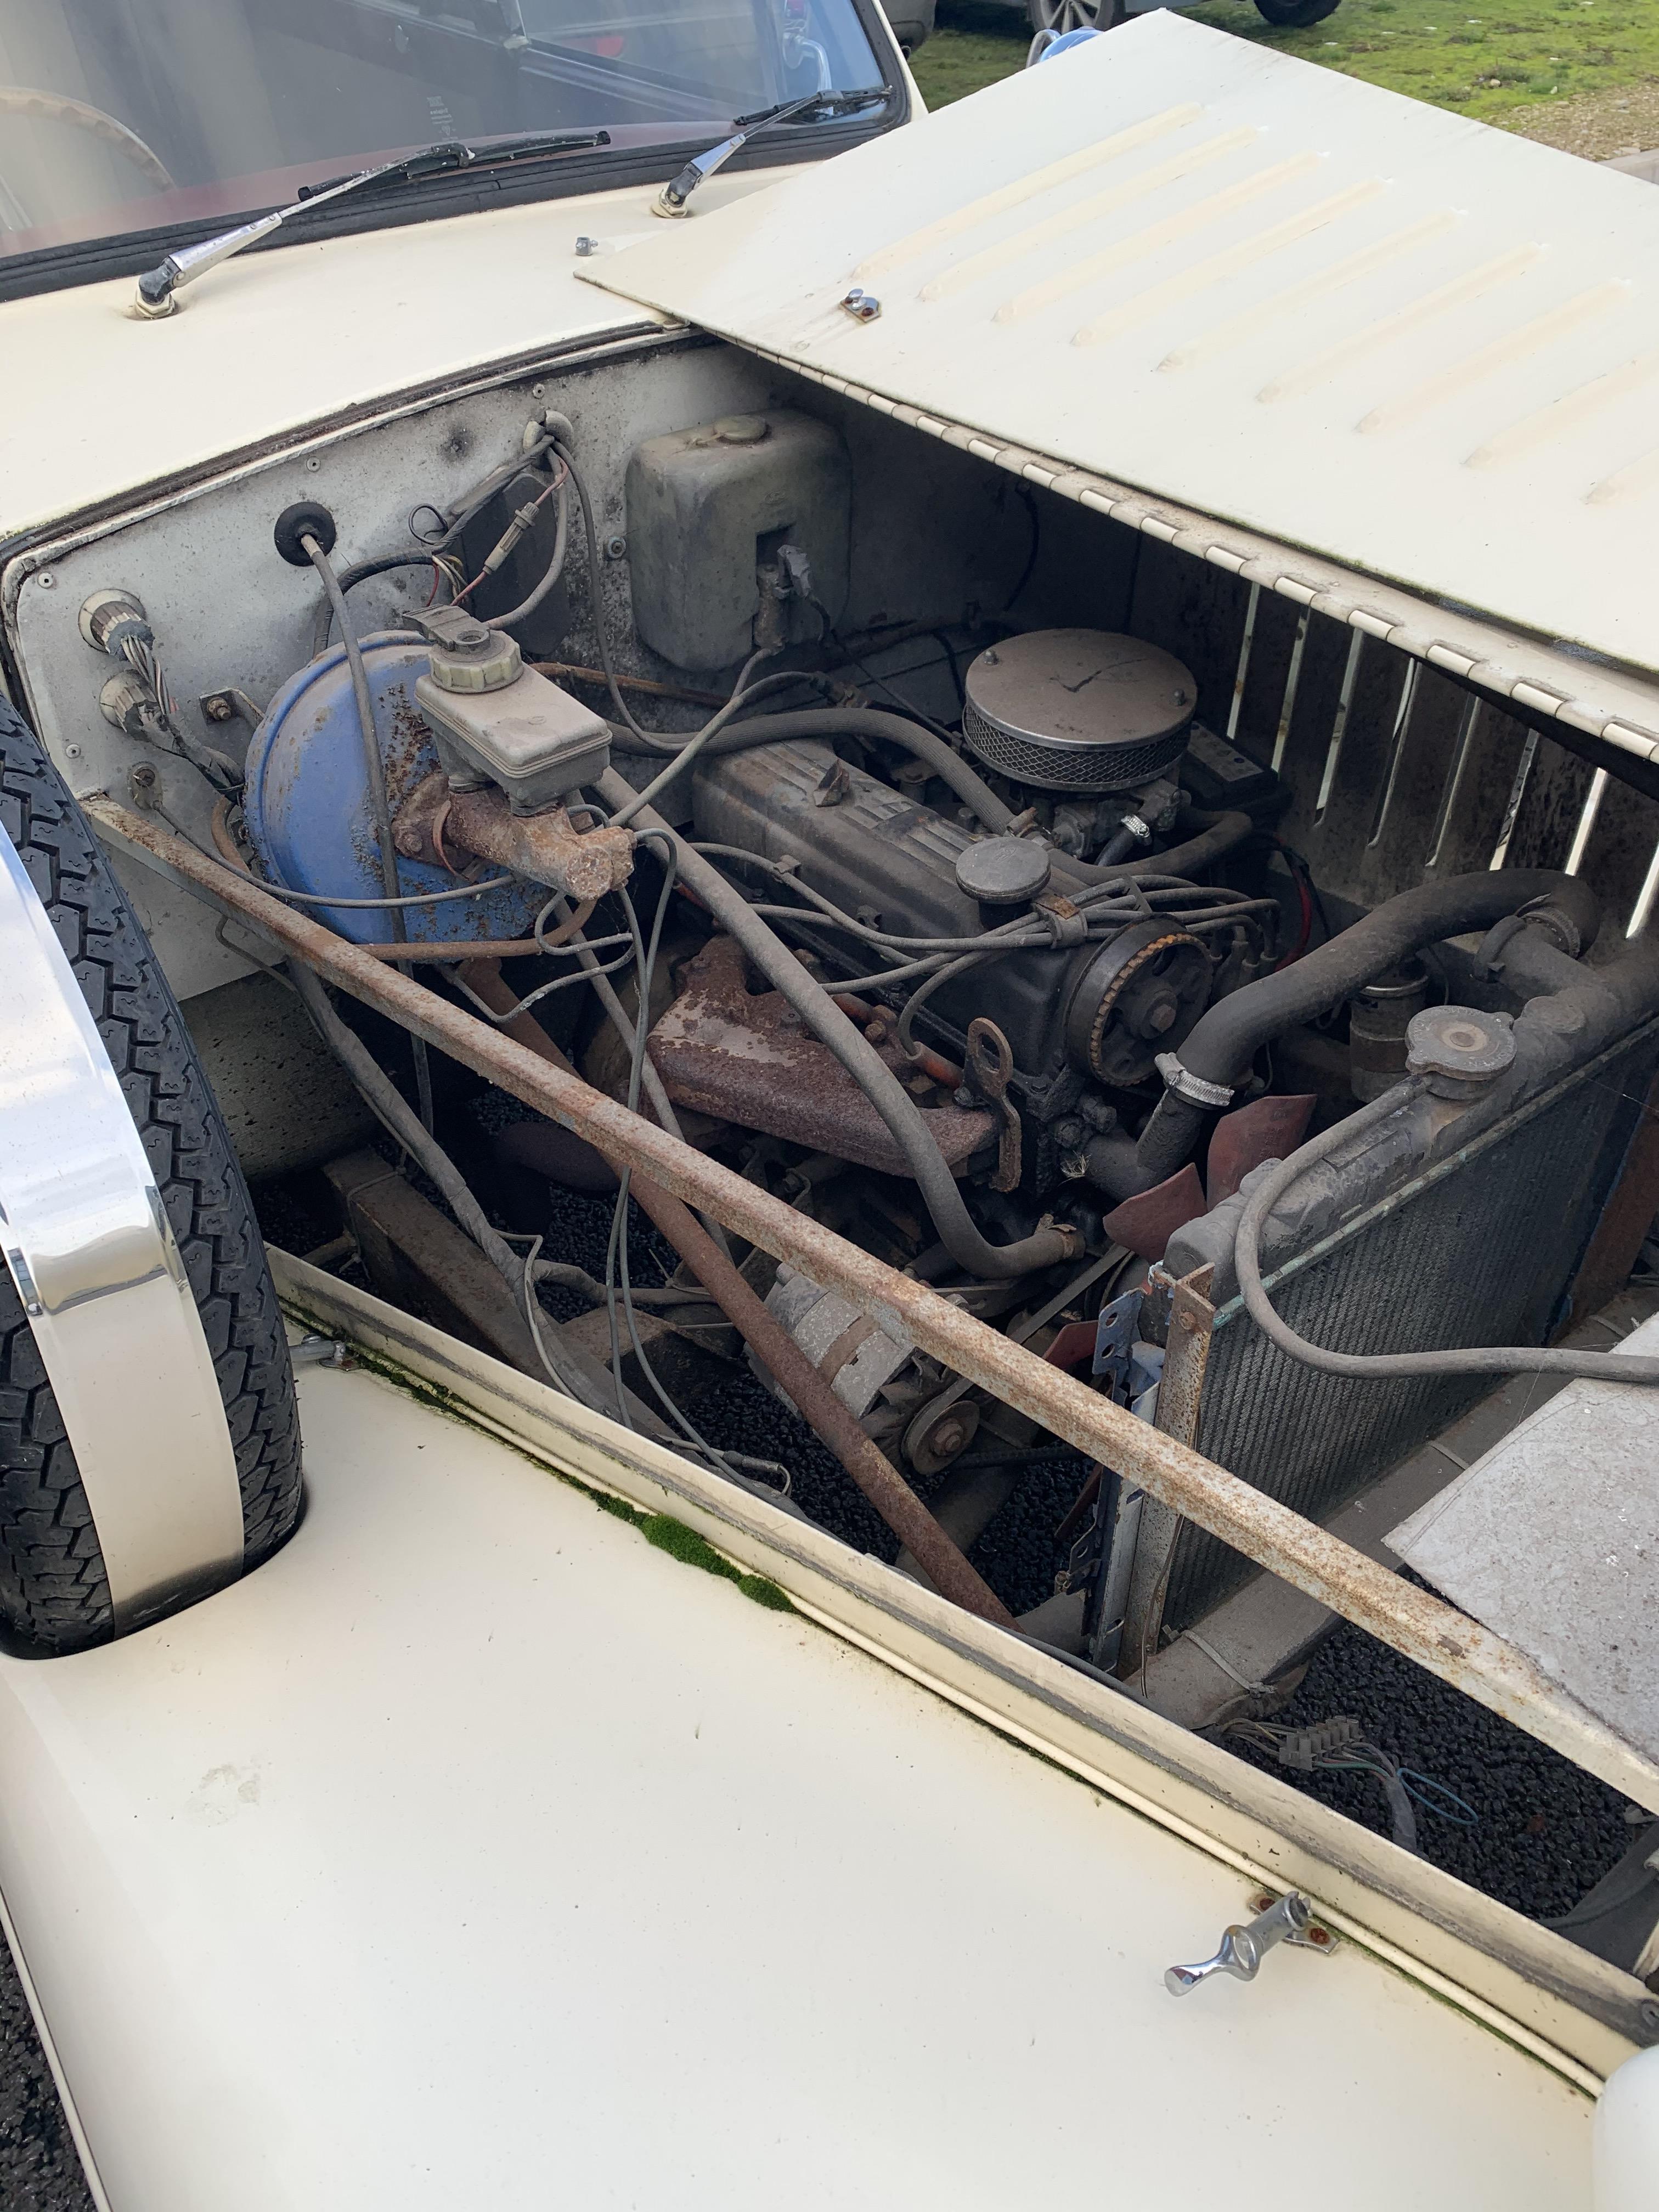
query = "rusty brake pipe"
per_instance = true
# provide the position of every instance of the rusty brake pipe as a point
(942, 1561)
(437, 956)
(928, 1061)
(957, 1231)
(436, 953)
(1412, 1621)
(875, 641)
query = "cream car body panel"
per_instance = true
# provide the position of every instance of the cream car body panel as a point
(416, 1885)
(474, 1849)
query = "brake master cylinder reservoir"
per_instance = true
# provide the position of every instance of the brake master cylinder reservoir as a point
(498, 723)
(709, 508)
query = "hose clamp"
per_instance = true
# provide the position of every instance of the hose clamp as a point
(1192, 1088)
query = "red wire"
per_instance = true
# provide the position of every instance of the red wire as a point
(1305, 899)
(534, 504)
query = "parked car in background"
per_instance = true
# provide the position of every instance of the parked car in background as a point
(1063, 15)
(912, 21)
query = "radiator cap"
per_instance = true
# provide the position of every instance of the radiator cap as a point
(1460, 1049)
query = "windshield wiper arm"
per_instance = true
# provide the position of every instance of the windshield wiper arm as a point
(671, 199)
(157, 287)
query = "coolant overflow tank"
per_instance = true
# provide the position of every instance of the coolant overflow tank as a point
(707, 507)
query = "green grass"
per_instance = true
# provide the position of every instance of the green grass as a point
(1515, 54)
(977, 43)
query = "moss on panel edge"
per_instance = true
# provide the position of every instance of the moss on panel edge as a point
(668, 1534)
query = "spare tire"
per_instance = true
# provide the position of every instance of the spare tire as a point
(54, 1593)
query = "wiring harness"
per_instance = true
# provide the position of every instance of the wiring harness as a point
(1338, 1746)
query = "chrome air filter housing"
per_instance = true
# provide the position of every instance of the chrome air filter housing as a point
(1078, 710)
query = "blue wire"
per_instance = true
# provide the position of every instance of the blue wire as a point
(1465, 1817)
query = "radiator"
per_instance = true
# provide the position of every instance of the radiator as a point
(1482, 1247)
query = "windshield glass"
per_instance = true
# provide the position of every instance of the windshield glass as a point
(121, 116)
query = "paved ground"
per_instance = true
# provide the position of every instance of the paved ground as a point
(38, 2169)
(1599, 125)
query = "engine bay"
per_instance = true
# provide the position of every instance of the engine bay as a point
(1214, 1001)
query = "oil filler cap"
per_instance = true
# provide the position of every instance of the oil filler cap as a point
(467, 654)
(1460, 1049)
(1002, 871)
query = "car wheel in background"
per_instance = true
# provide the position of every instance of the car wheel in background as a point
(1297, 14)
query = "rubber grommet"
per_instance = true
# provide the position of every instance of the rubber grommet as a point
(305, 518)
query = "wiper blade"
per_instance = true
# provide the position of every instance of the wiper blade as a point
(827, 103)
(158, 286)
(450, 154)
(671, 199)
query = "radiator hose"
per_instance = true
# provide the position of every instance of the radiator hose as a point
(1392, 1366)
(1217, 1057)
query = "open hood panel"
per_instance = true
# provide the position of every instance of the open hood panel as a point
(1414, 345)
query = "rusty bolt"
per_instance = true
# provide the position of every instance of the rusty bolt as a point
(948, 1436)
(216, 708)
(1188, 1324)
(919, 1083)
(875, 1030)
(1319, 1936)
(1159, 1015)
(408, 843)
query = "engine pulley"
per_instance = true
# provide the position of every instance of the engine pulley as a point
(1139, 996)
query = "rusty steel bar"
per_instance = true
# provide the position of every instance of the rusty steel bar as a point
(1157, 1530)
(944, 1562)
(1412, 1621)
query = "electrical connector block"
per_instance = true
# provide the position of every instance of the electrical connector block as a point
(1302, 1750)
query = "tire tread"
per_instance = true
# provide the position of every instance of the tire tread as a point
(54, 1593)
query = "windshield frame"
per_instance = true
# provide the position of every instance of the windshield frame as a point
(479, 189)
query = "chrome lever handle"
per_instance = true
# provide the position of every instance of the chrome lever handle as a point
(1242, 1949)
